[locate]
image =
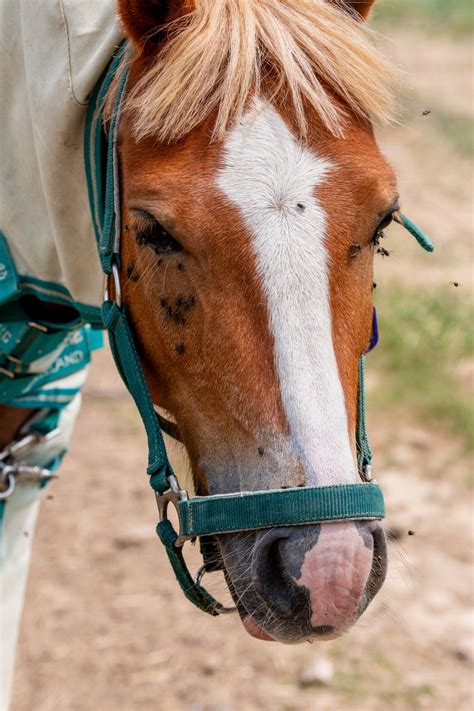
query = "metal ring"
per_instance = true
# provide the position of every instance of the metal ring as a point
(11, 482)
(117, 288)
(222, 610)
(172, 496)
(367, 473)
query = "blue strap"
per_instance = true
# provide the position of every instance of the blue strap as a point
(422, 239)
(364, 453)
(100, 173)
(247, 511)
(128, 364)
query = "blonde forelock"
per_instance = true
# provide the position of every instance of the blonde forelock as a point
(221, 53)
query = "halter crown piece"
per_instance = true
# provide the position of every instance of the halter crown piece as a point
(200, 516)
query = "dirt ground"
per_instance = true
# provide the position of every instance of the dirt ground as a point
(105, 626)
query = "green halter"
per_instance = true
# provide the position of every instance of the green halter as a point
(209, 515)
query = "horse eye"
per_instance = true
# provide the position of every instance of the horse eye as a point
(387, 220)
(150, 232)
(378, 234)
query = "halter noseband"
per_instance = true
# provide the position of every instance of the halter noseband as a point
(200, 516)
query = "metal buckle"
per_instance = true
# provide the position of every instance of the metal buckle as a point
(38, 326)
(366, 473)
(8, 373)
(172, 496)
(17, 363)
(117, 288)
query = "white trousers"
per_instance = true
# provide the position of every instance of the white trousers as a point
(16, 536)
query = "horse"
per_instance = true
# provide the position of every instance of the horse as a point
(249, 170)
(248, 198)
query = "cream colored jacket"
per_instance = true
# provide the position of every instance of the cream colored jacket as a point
(52, 53)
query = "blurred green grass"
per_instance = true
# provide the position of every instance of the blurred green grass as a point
(455, 128)
(454, 19)
(355, 677)
(425, 356)
(458, 130)
(453, 16)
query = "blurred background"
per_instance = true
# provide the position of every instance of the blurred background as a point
(106, 627)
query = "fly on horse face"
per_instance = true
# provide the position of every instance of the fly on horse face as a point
(238, 196)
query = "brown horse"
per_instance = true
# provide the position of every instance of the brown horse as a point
(253, 192)
(252, 189)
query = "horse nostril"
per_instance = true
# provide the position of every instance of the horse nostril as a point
(271, 579)
(379, 565)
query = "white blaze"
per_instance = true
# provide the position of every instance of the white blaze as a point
(272, 180)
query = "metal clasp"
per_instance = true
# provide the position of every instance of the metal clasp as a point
(174, 495)
(222, 609)
(20, 447)
(366, 473)
(117, 288)
(11, 472)
(8, 479)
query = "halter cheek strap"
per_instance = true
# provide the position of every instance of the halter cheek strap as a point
(210, 515)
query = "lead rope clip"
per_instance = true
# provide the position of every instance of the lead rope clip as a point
(11, 471)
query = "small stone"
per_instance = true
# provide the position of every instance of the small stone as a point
(464, 649)
(132, 538)
(320, 671)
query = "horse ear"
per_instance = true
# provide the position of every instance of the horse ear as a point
(143, 19)
(363, 7)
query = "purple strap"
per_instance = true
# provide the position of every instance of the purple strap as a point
(374, 339)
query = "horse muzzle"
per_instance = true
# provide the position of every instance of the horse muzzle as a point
(304, 582)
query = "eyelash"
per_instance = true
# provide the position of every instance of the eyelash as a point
(379, 232)
(149, 232)
(355, 249)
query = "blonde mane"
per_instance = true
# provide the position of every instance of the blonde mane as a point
(226, 50)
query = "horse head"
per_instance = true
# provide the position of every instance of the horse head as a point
(253, 195)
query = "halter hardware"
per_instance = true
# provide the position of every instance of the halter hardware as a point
(366, 473)
(117, 287)
(201, 516)
(174, 495)
(223, 610)
(11, 471)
